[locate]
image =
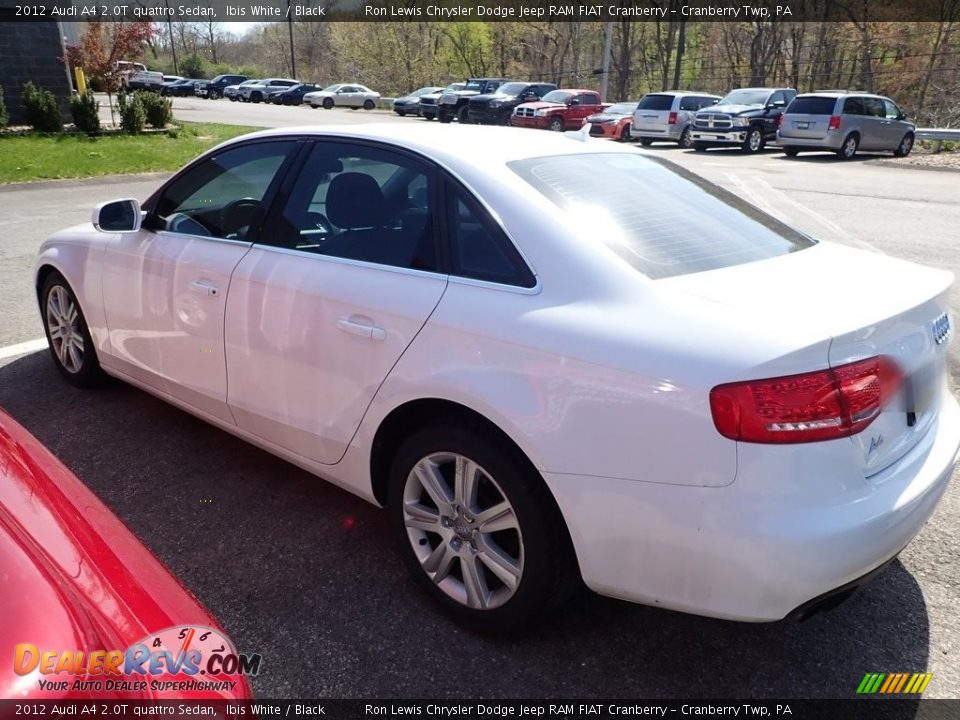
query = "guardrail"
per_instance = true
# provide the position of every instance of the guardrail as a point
(938, 135)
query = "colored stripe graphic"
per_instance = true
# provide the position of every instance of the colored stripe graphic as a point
(894, 683)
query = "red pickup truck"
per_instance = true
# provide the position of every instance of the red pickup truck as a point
(558, 110)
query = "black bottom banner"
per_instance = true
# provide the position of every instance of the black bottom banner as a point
(855, 709)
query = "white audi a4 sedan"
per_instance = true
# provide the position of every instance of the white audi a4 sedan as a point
(551, 358)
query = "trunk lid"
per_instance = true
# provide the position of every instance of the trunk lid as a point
(864, 304)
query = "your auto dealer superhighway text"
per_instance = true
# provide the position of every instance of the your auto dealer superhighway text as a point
(522, 710)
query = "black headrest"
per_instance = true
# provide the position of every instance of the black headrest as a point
(354, 200)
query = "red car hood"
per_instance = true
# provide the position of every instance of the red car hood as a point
(540, 105)
(74, 578)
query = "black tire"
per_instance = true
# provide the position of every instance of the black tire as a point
(700, 147)
(686, 139)
(233, 98)
(401, 113)
(547, 566)
(848, 150)
(445, 118)
(463, 116)
(556, 124)
(754, 141)
(625, 133)
(429, 117)
(646, 142)
(256, 97)
(214, 94)
(83, 369)
(369, 104)
(905, 146)
(327, 103)
(790, 151)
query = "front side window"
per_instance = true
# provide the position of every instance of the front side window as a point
(362, 203)
(224, 195)
(892, 111)
(661, 219)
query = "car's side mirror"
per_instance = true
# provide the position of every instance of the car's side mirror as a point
(903, 116)
(575, 101)
(117, 216)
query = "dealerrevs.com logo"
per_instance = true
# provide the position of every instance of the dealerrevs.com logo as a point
(185, 658)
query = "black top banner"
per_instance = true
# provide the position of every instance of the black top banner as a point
(471, 10)
(589, 709)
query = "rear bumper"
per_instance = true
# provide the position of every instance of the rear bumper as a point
(831, 141)
(782, 534)
(731, 137)
(667, 132)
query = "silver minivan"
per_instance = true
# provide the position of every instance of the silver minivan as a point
(668, 116)
(844, 122)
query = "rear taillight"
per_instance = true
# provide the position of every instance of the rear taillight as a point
(821, 405)
(834, 123)
(672, 120)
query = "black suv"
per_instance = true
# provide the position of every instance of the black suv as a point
(453, 103)
(746, 117)
(213, 89)
(497, 107)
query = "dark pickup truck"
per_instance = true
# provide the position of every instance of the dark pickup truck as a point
(746, 117)
(496, 108)
(453, 103)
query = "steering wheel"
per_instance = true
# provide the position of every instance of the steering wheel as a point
(238, 215)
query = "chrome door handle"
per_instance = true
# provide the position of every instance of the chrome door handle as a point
(204, 288)
(362, 329)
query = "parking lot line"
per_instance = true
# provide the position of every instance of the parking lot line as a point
(22, 348)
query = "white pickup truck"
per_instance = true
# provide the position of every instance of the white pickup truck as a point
(145, 80)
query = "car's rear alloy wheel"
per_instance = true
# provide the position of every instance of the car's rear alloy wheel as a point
(848, 150)
(474, 529)
(905, 146)
(67, 333)
(754, 141)
(686, 138)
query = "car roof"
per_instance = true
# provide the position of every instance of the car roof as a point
(839, 93)
(579, 90)
(453, 145)
(679, 93)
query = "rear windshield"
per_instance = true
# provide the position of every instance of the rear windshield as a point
(663, 220)
(812, 105)
(655, 102)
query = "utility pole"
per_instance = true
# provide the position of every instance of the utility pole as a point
(607, 47)
(293, 54)
(173, 47)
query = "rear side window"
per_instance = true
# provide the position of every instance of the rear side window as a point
(853, 106)
(655, 102)
(812, 106)
(661, 219)
(690, 103)
(479, 250)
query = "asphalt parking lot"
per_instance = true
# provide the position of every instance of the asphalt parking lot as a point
(306, 575)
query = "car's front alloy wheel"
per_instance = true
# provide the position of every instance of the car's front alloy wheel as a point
(754, 141)
(475, 530)
(67, 333)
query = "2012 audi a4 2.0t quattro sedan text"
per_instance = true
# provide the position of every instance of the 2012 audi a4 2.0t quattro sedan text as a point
(548, 356)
